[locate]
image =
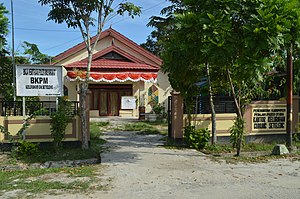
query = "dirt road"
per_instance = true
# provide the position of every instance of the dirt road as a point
(139, 168)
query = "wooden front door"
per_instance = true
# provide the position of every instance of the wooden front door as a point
(108, 102)
(107, 98)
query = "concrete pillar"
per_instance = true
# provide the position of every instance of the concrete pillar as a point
(248, 119)
(177, 116)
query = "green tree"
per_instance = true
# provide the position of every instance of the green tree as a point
(3, 29)
(180, 21)
(78, 14)
(240, 37)
(229, 42)
(281, 20)
(34, 54)
(163, 27)
(151, 45)
(221, 36)
(5, 64)
(6, 75)
(183, 74)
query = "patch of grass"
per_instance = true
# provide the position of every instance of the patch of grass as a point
(257, 159)
(164, 132)
(29, 181)
(72, 153)
(95, 129)
(235, 160)
(217, 149)
(258, 147)
(100, 124)
(143, 128)
(249, 147)
(251, 153)
(174, 144)
(157, 123)
(49, 154)
(84, 171)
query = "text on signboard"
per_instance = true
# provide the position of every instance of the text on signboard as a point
(273, 118)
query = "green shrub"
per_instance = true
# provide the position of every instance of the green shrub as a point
(237, 134)
(95, 129)
(296, 137)
(158, 108)
(196, 139)
(25, 149)
(60, 120)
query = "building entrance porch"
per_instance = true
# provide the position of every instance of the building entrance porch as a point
(107, 98)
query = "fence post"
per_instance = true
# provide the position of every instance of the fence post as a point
(177, 115)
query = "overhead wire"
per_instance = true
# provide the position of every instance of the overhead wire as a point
(63, 43)
(72, 31)
(57, 30)
(126, 18)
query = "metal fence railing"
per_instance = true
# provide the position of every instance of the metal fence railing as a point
(15, 108)
(223, 104)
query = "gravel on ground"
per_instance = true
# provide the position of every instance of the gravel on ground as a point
(139, 167)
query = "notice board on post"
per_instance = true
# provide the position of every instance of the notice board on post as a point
(128, 102)
(39, 80)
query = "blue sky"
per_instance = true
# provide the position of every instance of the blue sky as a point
(31, 25)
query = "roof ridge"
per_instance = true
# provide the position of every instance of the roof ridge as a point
(137, 45)
(113, 33)
(80, 46)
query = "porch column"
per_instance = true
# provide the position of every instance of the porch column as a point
(177, 116)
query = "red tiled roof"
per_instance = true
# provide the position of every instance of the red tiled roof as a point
(111, 64)
(116, 35)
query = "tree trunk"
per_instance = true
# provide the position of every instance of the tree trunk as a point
(188, 109)
(289, 101)
(82, 101)
(212, 106)
(238, 109)
(239, 115)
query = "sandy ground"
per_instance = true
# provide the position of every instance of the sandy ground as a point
(140, 168)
